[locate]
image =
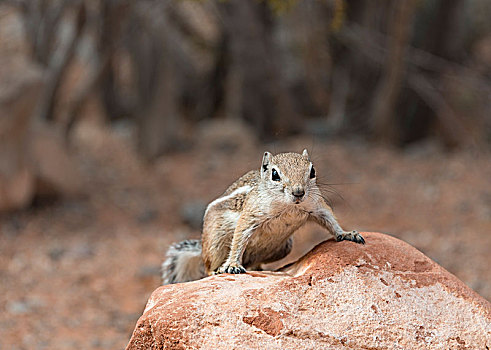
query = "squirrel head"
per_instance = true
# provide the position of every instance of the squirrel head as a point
(288, 177)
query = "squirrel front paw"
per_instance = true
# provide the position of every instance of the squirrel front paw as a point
(232, 268)
(353, 236)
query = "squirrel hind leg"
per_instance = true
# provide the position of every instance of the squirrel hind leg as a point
(183, 262)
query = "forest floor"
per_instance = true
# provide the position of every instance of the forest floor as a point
(76, 273)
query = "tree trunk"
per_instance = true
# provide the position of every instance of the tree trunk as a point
(383, 120)
(254, 88)
(157, 90)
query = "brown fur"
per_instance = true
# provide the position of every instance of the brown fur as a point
(255, 226)
(252, 222)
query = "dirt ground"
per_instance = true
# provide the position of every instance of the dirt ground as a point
(76, 273)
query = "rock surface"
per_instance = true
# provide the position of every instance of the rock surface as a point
(385, 294)
(33, 156)
(20, 87)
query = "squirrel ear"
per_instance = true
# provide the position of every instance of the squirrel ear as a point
(306, 154)
(266, 159)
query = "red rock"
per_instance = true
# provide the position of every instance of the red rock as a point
(20, 88)
(385, 294)
(55, 169)
(33, 156)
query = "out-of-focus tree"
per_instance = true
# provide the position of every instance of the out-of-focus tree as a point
(393, 71)
(254, 89)
(53, 29)
(417, 58)
(392, 77)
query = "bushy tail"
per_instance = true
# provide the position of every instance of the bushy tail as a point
(183, 262)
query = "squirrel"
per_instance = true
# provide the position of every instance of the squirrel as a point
(253, 221)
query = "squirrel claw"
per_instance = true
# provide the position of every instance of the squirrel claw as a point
(353, 236)
(233, 269)
(359, 238)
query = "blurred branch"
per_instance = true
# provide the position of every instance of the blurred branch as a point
(391, 83)
(155, 57)
(59, 63)
(356, 37)
(83, 92)
(51, 45)
(184, 25)
(339, 99)
(452, 125)
(254, 87)
(41, 22)
(368, 43)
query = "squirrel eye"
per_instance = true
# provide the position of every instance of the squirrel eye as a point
(312, 173)
(274, 175)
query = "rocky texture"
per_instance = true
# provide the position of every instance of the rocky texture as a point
(34, 160)
(385, 294)
(19, 89)
(33, 156)
(53, 166)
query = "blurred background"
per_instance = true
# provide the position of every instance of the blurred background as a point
(120, 120)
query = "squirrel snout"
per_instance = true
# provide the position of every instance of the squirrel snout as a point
(298, 191)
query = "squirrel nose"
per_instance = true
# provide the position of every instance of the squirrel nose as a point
(298, 191)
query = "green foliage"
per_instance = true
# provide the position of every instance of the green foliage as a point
(339, 15)
(280, 6)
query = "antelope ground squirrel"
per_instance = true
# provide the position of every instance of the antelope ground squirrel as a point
(253, 221)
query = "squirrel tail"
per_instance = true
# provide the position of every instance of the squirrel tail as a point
(183, 262)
